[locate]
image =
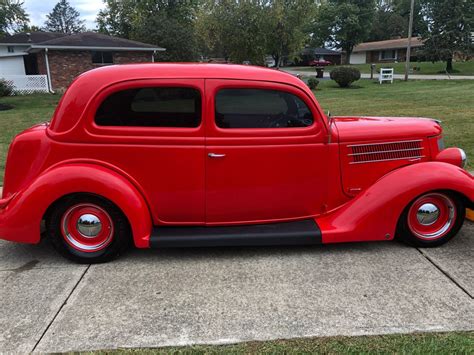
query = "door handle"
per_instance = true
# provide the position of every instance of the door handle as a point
(215, 155)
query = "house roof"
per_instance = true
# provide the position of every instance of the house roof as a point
(30, 37)
(320, 51)
(85, 40)
(388, 44)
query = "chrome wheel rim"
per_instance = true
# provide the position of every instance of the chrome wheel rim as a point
(87, 228)
(432, 216)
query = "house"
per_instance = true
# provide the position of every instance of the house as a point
(308, 54)
(389, 51)
(59, 58)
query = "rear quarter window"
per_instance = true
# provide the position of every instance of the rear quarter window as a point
(151, 107)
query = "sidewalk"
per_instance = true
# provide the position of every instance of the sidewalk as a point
(396, 76)
(151, 298)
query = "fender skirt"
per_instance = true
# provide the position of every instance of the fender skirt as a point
(20, 219)
(374, 213)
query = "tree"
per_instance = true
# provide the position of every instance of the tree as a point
(391, 20)
(12, 16)
(402, 8)
(450, 28)
(116, 19)
(287, 27)
(165, 23)
(169, 24)
(349, 22)
(387, 24)
(237, 30)
(29, 28)
(64, 19)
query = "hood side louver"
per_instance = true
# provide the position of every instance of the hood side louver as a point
(370, 153)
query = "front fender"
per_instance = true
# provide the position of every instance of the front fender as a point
(20, 219)
(374, 213)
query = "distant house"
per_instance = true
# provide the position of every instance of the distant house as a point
(389, 51)
(62, 57)
(308, 54)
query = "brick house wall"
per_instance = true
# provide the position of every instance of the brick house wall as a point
(65, 65)
(374, 56)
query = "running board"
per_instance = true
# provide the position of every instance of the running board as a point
(304, 232)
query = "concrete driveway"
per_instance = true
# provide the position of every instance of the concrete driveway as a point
(151, 298)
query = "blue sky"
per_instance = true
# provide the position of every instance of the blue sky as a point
(38, 9)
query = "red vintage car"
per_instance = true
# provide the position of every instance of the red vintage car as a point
(168, 155)
(319, 63)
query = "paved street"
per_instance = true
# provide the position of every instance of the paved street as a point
(395, 76)
(152, 298)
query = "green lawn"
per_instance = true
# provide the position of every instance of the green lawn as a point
(431, 343)
(461, 68)
(27, 111)
(450, 101)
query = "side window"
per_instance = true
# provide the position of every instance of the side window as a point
(151, 107)
(260, 108)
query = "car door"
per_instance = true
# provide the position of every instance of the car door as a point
(265, 153)
(153, 131)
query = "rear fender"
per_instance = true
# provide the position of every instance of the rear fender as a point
(21, 218)
(374, 213)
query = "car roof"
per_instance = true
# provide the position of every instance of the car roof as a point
(88, 84)
(190, 70)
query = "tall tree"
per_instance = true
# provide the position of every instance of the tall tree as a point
(165, 23)
(12, 16)
(402, 8)
(234, 29)
(64, 19)
(387, 24)
(391, 20)
(117, 18)
(450, 28)
(349, 21)
(169, 24)
(287, 26)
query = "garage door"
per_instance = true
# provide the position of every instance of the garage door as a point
(358, 58)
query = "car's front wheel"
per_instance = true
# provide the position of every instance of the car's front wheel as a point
(88, 229)
(431, 219)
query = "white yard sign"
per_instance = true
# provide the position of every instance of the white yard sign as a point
(386, 74)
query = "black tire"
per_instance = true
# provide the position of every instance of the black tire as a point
(408, 234)
(116, 241)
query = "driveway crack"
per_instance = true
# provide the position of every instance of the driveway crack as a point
(445, 273)
(60, 308)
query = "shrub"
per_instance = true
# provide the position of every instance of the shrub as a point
(345, 76)
(313, 83)
(5, 88)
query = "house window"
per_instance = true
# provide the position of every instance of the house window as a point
(390, 54)
(102, 58)
(151, 107)
(11, 49)
(260, 108)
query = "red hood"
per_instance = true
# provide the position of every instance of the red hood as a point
(379, 128)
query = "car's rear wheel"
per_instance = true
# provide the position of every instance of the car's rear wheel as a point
(88, 229)
(431, 219)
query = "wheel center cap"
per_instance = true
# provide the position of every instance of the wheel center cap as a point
(89, 225)
(427, 214)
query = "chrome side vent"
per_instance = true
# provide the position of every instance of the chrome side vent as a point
(371, 153)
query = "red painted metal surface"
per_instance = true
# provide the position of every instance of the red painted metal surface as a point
(354, 175)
